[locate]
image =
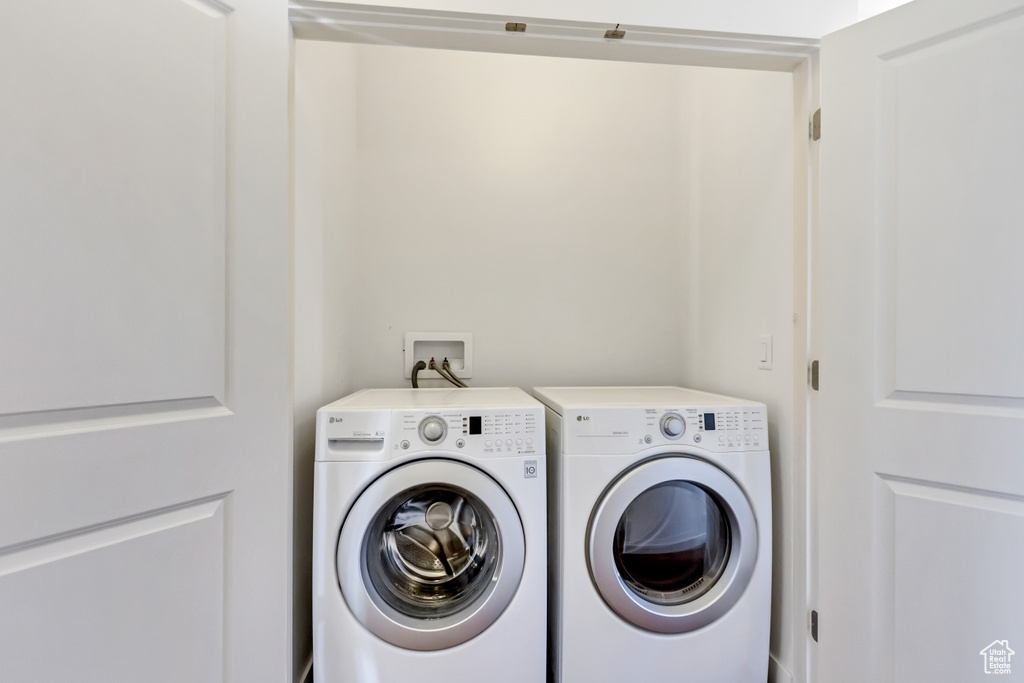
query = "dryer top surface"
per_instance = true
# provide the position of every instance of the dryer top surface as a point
(561, 399)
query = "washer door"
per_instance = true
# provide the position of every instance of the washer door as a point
(672, 544)
(430, 554)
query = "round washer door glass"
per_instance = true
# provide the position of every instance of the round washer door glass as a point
(672, 544)
(430, 554)
(432, 550)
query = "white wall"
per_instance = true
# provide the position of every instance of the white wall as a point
(324, 166)
(799, 18)
(741, 260)
(588, 222)
(531, 202)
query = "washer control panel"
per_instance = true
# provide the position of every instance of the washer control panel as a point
(719, 429)
(475, 431)
(366, 435)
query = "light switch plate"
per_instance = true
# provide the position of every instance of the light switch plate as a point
(764, 352)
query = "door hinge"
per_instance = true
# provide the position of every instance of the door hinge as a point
(816, 126)
(814, 375)
(814, 625)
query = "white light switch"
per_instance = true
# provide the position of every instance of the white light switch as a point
(764, 349)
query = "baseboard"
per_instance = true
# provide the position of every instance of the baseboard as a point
(307, 673)
(777, 673)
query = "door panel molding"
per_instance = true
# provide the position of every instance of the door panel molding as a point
(945, 244)
(37, 552)
(996, 406)
(952, 547)
(951, 494)
(940, 38)
(47, 423)
(117, 158)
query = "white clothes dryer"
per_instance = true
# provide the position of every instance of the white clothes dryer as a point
(430, 531)
(660, 516)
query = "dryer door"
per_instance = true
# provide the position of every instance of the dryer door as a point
(672, 544)
(430, 554)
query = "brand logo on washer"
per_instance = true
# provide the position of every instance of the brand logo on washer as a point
(530, 469)
(334, 419)
(582, 418)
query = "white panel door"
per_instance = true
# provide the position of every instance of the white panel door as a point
(918, 428)
(144, 341)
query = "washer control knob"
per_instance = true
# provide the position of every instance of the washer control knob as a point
(672, 425)
(433, 429)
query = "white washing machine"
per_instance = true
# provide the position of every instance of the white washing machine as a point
(660, 516)
(430, 529)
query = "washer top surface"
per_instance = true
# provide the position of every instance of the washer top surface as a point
(568, 398)
(473, 397)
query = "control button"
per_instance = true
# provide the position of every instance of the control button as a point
(697, 438)
(519, 442)
(433, 429)
(488, 444)
(508, 442)
(746, 437)
(721, 439)
(672, 425)
(405, 445)
(648, 439)
(460, 443)
(730, 438)
(529, 442)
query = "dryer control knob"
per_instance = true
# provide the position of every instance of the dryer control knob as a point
(433, 429)
(672, 425)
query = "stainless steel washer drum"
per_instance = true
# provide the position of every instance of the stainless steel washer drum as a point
(441, 552)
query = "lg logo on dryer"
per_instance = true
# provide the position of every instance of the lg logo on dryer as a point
(334, 419)
(583, 418)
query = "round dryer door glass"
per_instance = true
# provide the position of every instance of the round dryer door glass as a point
(671, 544)
(432, 550)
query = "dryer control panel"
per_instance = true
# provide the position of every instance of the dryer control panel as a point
(613, 431)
